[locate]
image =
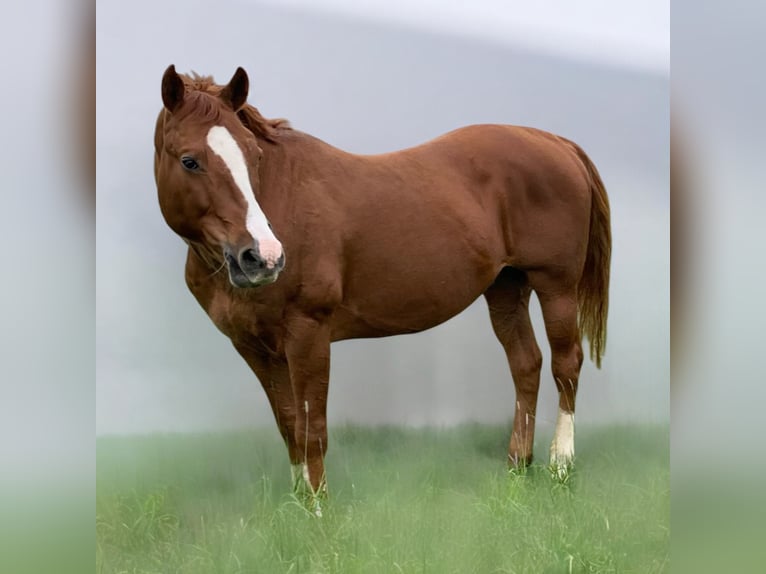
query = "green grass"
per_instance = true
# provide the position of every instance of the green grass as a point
(401, 500)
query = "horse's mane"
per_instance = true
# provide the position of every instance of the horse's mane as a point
(202, 92)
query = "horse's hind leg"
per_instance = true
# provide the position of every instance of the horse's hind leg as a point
(508, 302)
(558, 301)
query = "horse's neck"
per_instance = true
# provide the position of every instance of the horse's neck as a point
(294, 158)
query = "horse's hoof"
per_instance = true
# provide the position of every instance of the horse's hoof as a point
(561, 469)
(519, 462)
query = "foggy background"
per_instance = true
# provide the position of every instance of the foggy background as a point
(370, 80)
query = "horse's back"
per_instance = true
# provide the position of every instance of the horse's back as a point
(520, 148)
(531, 184)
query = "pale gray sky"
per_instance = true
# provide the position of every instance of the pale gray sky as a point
(633, 34)
(367, 85)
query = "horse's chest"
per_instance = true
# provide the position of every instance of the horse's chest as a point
(231, 316)
(219, 309)
(240, 321)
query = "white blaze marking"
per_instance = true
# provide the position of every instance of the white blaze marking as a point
(562, 447)
(225, 146)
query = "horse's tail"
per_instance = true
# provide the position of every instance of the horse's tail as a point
(593, 288)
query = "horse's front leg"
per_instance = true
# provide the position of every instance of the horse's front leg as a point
(274, 375)
(307, 347)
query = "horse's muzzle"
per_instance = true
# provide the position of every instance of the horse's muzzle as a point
(248, 269)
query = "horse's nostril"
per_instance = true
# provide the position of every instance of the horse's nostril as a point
(251, 259)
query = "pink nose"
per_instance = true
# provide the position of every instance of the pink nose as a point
(270, 250)
(252, 262)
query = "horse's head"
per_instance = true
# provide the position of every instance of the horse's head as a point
(206, 168)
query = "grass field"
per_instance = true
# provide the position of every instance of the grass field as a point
(401, 501)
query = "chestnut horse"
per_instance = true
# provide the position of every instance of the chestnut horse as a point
(321, 245)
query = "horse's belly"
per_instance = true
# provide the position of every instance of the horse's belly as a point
(409, 307)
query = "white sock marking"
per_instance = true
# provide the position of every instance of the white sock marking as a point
(223, 144)
(562, 447)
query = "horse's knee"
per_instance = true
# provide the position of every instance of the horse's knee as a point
(526, 365)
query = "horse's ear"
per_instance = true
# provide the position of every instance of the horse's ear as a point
(235, 92)
(172, 89)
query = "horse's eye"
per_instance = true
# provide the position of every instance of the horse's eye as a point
(190, 163)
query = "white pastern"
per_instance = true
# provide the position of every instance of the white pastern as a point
(223, 144)
(562, 447)
(300, 475)
(296, 473)
(315, 505)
